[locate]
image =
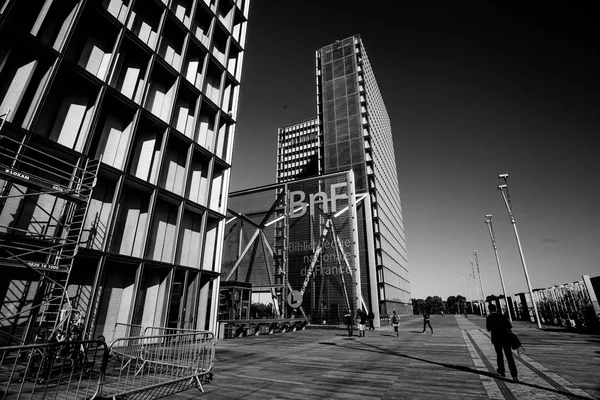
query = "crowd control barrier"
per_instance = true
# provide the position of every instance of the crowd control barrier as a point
(59, 370)
(144, 367)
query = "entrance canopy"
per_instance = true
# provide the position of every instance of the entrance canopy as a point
(297, 241)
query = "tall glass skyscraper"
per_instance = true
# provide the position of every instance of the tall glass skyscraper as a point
(355, 133)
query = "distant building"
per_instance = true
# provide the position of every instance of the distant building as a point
(352, 131)
(298, 151)
(357, 134)
(118, 125)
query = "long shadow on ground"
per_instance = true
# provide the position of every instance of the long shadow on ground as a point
(462, 368)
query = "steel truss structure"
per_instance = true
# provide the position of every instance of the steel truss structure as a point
(290, 248)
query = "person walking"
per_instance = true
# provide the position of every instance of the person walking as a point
(349, 322)
(500, 328)
(371, 319)
(426, 322)
(396, 322)
(362, 317)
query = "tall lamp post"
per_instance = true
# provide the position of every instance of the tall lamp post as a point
(480, 282)
(506, 196)
(469, 290)
(476, 288)
(488, 222)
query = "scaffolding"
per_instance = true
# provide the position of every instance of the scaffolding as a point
(44, 198)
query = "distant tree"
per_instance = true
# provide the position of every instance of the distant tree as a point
(436, 305)
(418, 306)
(451, 304)
(429, 304)
(461, 302)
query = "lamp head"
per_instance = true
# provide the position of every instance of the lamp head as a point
(503, 176)
(501, 187)
(488, 216)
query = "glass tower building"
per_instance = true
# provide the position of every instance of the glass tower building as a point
(118, 120)
(354, 132)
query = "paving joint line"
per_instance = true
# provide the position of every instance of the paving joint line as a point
(506, 392)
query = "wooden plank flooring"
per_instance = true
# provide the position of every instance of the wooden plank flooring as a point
(452, 363)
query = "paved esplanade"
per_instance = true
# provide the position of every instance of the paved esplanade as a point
(456, 362)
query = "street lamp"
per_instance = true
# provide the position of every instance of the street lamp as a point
(480, 282)
(506, 196)
(488, 222)
(469, 290)
(476, 288)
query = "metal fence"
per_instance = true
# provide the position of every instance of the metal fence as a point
(145, 367)
(140, 367)
(126, 330)
(62, 370)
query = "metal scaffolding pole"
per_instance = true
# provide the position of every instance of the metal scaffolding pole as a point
(506, 196)
(488, 222)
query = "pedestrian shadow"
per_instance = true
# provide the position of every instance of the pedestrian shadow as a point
(462, 368)
(569, 330)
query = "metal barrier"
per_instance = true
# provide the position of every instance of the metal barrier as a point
(126, 330)
(152, 366)
(157, 330)
(239, 328)
(61, 370)
(140, 367)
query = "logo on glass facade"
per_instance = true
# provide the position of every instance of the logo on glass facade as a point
(296, 244)
(298, 203)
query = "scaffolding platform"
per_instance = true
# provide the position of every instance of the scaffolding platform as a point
(45, 193)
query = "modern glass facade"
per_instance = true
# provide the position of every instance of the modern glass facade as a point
(339, 110)
(297, 242)
(150, 89)
(357, 134)
(354, 132)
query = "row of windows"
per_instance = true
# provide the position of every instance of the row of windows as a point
(282, 159)
(294, 150)
(338, 50)
(299, 127)
(391, 293)
(383, 156)
(309, 138)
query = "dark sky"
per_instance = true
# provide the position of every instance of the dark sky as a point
(473, 90)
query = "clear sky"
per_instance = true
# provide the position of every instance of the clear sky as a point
(472, 90)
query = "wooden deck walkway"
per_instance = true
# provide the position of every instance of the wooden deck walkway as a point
(455, 362)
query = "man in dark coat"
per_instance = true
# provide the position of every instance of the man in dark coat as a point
(349, 322)
(500, 328)
(371, 319)
(426, 322)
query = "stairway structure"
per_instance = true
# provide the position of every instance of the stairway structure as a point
(44, 198)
